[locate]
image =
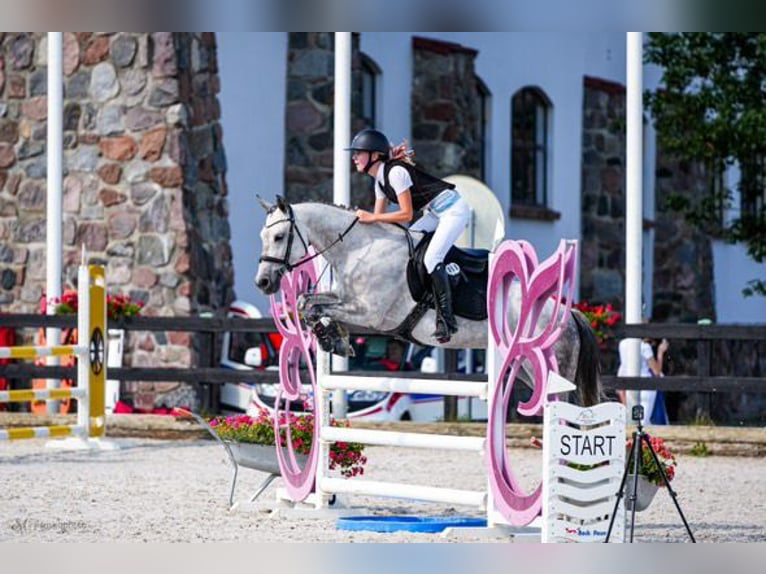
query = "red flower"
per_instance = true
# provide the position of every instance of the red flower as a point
(601, 318)
(646, 464)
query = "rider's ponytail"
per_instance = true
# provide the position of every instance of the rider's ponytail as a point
(402, 152)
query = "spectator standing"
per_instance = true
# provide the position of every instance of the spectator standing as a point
(650, 366)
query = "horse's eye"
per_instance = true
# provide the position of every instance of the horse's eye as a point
(279, 237)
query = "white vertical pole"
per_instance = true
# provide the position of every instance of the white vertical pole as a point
(341, 167)
(633, 196)
(321, 420)
(55, 150)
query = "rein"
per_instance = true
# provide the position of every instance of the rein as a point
(293, 231)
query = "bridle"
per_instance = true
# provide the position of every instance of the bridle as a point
(285, 260)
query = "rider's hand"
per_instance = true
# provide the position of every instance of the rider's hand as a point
(365, 216)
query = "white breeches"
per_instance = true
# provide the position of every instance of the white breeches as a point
(446, 226)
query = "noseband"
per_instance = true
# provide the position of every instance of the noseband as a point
(285, 260)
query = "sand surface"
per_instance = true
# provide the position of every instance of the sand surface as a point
(156, 490)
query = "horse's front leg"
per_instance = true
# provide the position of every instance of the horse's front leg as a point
(309, 301)
(326, 321)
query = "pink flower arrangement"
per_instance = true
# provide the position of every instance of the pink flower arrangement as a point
(116, 305)
(348, 457)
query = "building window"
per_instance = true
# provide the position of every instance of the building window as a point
(530, 112)
(484, 98)
(369, 88)
(752, 188)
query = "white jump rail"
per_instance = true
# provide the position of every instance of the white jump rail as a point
(560, 265)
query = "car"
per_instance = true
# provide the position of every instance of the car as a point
(235, 397)
(250, 351)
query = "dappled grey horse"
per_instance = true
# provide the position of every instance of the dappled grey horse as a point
(370, 286)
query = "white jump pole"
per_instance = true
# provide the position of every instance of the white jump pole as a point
(633, 197)
(55, 151)
(341, 167)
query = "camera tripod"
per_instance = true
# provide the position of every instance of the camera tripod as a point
(639, 438)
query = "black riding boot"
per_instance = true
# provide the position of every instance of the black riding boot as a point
(445, 319)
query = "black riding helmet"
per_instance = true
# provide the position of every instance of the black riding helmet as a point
(371, 141)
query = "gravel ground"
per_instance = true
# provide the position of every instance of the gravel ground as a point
(177, 491)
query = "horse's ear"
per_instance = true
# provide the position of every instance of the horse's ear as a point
(264, 204)
(281, 203)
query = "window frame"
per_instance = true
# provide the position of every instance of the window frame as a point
(537, 151)
(369, 70)
(485, 107)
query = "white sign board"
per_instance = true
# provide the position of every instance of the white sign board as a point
(583, 465)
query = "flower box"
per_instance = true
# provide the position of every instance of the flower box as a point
(644, 493)
(261, 457)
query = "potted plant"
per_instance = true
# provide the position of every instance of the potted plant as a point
(649, 475)
(116, 305)
(239, 430)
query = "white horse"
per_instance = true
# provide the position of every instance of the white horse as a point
(370, 285)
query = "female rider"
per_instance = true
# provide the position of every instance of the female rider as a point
(445, 212)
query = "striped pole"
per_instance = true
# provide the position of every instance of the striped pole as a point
(43, 432)
(92, 373)
(91, 366)
(34, 352)
(29, 395)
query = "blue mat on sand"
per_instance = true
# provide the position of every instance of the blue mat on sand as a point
(407, 523)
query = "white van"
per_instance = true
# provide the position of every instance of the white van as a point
(251, 351)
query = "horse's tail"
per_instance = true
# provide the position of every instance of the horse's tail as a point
(588, 363)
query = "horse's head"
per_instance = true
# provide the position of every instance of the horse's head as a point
(280, 250)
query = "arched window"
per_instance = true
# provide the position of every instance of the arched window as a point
(370, 72)
(530, 113)
(485, 99)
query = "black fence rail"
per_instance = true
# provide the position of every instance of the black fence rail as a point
(210, 374)
(205, 376)
(703, 380)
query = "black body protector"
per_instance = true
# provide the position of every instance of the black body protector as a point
(424, 186)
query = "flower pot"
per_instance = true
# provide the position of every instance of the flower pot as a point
(644, 493)
(261, 457)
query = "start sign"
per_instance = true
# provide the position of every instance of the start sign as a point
(585, 444)
(583, 464)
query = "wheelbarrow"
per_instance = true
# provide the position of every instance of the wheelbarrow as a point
(254, 456)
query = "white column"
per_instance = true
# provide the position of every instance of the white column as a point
(633, 196)
(83, 334)
(341, 166)
(55, 150)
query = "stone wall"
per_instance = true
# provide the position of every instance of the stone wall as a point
(602, 247)
(309, 130)
(445, 114)
(683, 256)
(144, 187)
(683, 287)
(602, 257)
(446, 110)
(684, 292)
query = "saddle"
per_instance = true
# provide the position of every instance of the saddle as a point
(468, 271)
